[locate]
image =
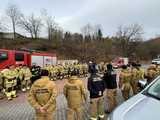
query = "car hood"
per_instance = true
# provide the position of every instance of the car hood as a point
(140, 107)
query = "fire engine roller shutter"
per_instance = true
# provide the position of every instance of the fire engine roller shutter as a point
(48, 60)
(38, 60)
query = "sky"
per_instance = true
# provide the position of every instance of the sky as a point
(72, 15)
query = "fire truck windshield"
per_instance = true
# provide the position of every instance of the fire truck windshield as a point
(3, 56)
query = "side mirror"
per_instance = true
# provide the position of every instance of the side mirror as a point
(142, 83)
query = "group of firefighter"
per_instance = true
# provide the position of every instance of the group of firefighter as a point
(101, 78)
(107, 80)
(21, 77)
(61, 71)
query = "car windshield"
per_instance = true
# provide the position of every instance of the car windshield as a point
(154, 90)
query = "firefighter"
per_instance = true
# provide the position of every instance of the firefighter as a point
(75, 94)
(19, 78)
(111, 85)
(140, 74)
(158, 69)
(96, 87)
(54, 72)
(134, 78)
(1, 85)
(152, 73)
(10, 82)
(42, 97)
(124, 82)
(35, 70)
(26, 78)
(85, 69)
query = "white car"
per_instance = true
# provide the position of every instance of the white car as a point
(156, 61)
(143, 106)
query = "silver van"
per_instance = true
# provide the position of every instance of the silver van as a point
(143, 106)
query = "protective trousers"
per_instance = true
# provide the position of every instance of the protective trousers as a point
(75, 113)
(10, 89)
(126, 91)
(25, 84)
(135, 87)
(44, 116)
(111, 97)
(96, 108)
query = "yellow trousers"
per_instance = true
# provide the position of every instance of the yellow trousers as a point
(97, 107)
(75, 113)
(44, 116)
(111, 96)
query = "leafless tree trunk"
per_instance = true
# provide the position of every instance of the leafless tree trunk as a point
(126, 36)
(32, 25)
(14, 14)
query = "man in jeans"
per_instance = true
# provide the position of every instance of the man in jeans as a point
(96, 87)
(111, 85)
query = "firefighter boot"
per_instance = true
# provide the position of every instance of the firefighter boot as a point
(9, 95)
(13, 94)
(101, 117)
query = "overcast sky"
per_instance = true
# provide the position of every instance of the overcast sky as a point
(73, 14)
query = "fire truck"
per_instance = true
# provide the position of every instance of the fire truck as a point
(15, 57)
(119, 62)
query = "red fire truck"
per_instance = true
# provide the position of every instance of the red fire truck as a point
(119, 62)
(14, 57)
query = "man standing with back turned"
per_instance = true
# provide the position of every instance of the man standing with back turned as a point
(42, 97)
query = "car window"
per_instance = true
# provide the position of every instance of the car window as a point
(155, 89)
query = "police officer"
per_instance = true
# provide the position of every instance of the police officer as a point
(42, 97)
(124, 82)
(75, 94)
(111, 84)
(96, 87)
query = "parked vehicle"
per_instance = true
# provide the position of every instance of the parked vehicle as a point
(119, 62)
(143, 106)
(156, 61)
(14, 57)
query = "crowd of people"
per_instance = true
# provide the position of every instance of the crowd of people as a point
(21, 77)
(103, 81)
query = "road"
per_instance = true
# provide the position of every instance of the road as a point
(19, 108)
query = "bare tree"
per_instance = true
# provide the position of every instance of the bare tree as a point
(32, 25)
(98, 32)
(14, 14)
(2, 27)
(87, 30)
(50, 23)
(128, 37)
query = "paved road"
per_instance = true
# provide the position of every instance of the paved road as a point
(19, 108)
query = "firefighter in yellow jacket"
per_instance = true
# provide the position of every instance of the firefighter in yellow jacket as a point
(26, 75)
(75, 94)
(124, 83)
(151, 73)
(10, 82)
(42, 97)
(1, 85)
(134, 78)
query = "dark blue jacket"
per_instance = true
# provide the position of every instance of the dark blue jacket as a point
(110, 79)
(96, 86)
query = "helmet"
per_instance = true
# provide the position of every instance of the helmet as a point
(152, 66)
